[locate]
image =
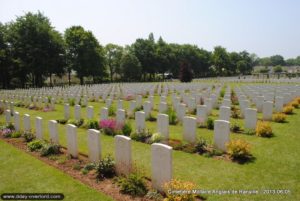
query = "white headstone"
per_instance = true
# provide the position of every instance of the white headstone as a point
(163, 125)
(201, 114)
(225, 113)
(278, 103)
(90, 112)
(72, 140)
(53, 131)
(27, 125)
(267, 110)
(189, 129)
(17, 121)
(181, 111)
(120, 104)
(147, 108)
(140, 121)
(221, 134)
(123, 154)
(7, 116)
(104, 113)
(121, 117)
(250, 118)
(161, 164)
(132, 107)
(39, 128)
(67, 111)
(259, 103)
(94, 145)
(77, 112)
(163, 107)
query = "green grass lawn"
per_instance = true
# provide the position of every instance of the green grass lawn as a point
(276, 166)
(22, 173)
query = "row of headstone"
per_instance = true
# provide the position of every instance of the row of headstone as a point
(161, 162)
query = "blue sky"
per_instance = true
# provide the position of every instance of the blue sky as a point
(264, 27)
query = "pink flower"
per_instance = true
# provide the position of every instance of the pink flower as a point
(108, 123)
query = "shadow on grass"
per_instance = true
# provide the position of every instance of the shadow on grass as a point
(244, 160)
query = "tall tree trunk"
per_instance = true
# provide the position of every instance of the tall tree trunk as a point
(69, 77)
(50, 76)
(111, 74)
(81, 80)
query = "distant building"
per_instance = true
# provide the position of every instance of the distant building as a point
(287, 69)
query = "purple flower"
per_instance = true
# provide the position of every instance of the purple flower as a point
(6, 132)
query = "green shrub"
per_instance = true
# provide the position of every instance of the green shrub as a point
(156, 137)
(263, 129)
(250, 132)
(19, 104)
(16, 134)
(28, 136)
(138, 109)
(76, 166)
(288, 109)
(211, 151)
(238, 149)
(10, 126)
(222, 92)
(141, 136)
(235, 113)
(172, 116)
(189, 148)
(133, 185)
(91, 124)
(1, 110)
(127, 129)
(111, 110)
(210, 123)
(35, 145)
(235, 128)
(72, 102)
(279, 117)
(90, 166)
(154, 195)
(295, 104)
(75, 122)
(106, 168)
(62, 121)
(201, 146)
(50, 149)
(84, 171)
(174, 185)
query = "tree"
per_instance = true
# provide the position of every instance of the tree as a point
(290, 62)
(264, 70)
(130, 67)
(235, 63)
(144, 50)
(113, 54)
(277, 60)
(186, 74)
(163, 57)
(221, 60)
(36, 48)
(277, 69)
(5, 58)
(245, 65)
(266, 61)
(84, 54)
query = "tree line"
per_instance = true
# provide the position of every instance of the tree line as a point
(31, 50)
